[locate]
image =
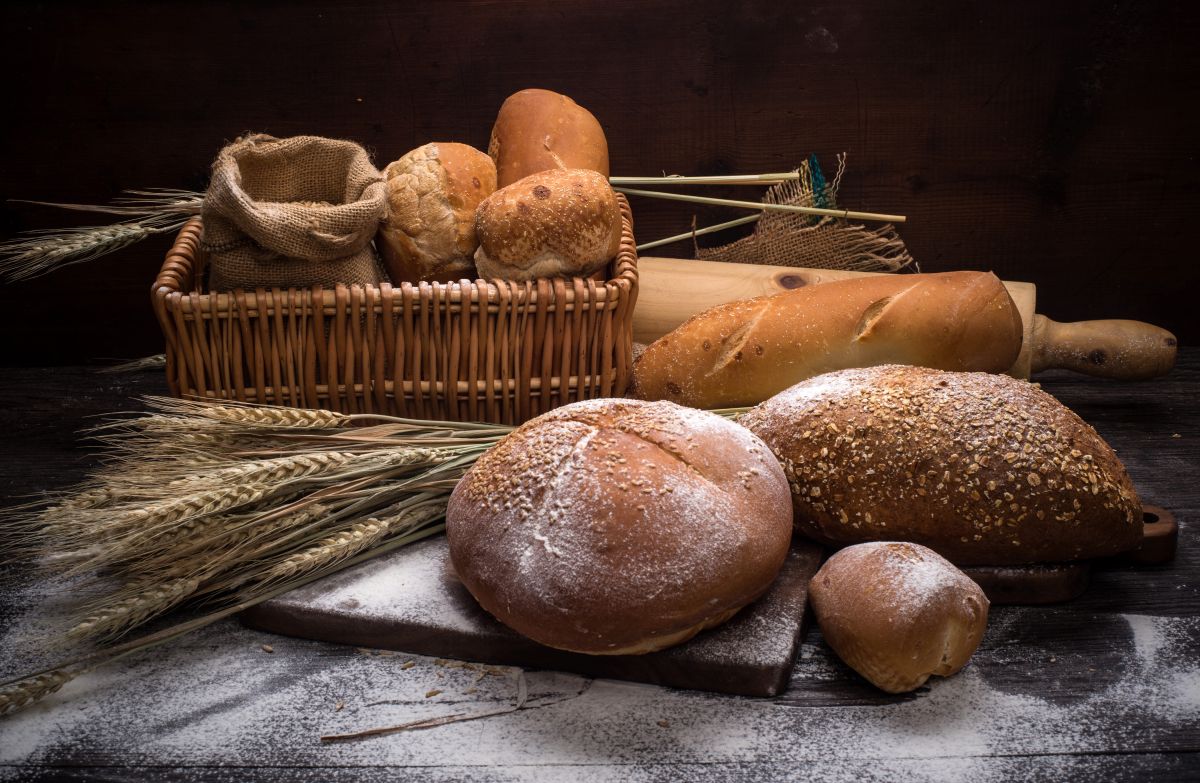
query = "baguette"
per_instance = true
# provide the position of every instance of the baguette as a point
(743, 352)
(983, 469)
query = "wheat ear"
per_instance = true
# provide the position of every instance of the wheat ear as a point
(270, 416)
(122, 615)
(24, 692)
(351, 541)
(45, 251)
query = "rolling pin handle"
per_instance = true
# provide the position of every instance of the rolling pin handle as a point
(1118, 349)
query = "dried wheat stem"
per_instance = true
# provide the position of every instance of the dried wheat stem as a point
(254, 415)
(271, 470)
(169, 511)
(720, 179)
(121, 615)
(222, 543)
(25, 692)
(348, 543)
(152, 362)
(699, 232)
(762, 205)
(44, 251)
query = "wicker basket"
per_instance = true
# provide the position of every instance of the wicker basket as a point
(496, 351)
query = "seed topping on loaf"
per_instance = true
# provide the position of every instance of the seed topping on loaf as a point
(993, 461)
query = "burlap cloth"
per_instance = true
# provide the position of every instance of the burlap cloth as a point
(791, 239)
(292, 212)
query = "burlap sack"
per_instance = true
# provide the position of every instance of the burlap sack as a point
(292, 212)
(791, 239)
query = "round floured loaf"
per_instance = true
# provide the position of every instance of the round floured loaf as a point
(538, 130)
(432, 193)
(616, 527)
(984, 469)
(563, 223)
(897, 613)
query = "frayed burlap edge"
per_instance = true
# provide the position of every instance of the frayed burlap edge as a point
(790, 239)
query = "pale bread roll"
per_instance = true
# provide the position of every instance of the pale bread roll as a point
(616, 527)
(742, 352)
(432, 194)
(563, 223)
(985, 469)
(897, 613)
(537, 130)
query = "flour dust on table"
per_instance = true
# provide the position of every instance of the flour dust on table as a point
(243, 706)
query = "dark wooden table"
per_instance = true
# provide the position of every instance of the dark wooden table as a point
(1104, 688)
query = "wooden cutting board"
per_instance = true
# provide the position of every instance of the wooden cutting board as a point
(671, 290)
(410, 600)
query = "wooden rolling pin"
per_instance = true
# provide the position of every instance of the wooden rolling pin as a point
(671, 290)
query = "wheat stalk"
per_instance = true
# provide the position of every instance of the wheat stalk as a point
(120, 616)
(348, 543)
(153, 362)
(44, 251)
(155, 212)
(846, 214)
(26, 691)
(271, 416)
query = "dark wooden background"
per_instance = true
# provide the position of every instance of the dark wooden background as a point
(1047, 141)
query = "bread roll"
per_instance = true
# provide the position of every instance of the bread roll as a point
(743, 352)
(617, 527)
(897, 613)
(432, 194)
(538, 130)
(553, 224)
(984, 469)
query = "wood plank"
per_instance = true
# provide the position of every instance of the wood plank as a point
(411, 601)
(1050, 142)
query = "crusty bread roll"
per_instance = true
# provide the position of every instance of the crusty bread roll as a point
(538, 130)
(563, 223)
(985, 469)
(897, 613)
(617, 527)
(743, 352)
(432, 193)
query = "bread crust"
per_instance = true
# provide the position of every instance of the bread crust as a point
(620, 527)
(537, 130)
(984, 469)
(562, 223)
(897, 613)
(432, 193)
(743, 352)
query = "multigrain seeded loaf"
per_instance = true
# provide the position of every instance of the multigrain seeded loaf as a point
(620, 527)
(897, 613)
(984, 469)
(742, 352)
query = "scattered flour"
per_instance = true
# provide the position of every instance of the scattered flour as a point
(216, 698)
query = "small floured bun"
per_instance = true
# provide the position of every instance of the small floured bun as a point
(897, 613)
(562, 223)
(432, 193)
(615, 527)
(984, 469)
(538, 130)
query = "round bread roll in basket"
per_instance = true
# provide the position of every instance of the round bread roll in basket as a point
(561, 223)
(615, 526)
